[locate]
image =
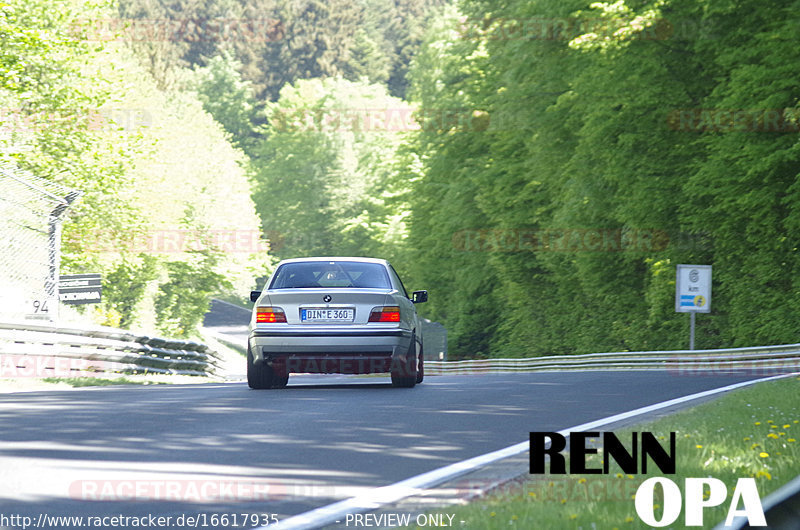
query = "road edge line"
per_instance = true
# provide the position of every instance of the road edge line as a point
(383, 495)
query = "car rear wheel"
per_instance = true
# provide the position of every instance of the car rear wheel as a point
(420, 367)
(259, 376)
(280, 382)
(404, 373)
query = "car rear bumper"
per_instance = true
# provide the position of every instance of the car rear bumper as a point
(345, 351)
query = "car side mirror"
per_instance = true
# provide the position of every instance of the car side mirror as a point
(254, 295)
(419, 296)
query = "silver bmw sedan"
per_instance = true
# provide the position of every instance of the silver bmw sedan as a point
(334, 315)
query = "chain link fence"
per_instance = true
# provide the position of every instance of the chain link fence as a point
(30, 243)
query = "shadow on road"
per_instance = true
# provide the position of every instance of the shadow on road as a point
(218, 448)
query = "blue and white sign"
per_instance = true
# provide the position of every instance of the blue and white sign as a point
(693, 289)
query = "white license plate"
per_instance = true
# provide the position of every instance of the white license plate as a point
(327, 315)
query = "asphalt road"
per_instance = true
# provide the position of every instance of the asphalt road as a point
(225, 449)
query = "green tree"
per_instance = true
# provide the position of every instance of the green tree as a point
(185, 297)
(317, 40)
(586, 137)
(452, 147)
(744, 191)
(325, 174)
(124, 287)
(169, 35)
(229, 99)
(95, 120)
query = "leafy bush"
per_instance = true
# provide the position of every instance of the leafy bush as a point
(124, 287)
(184, 298)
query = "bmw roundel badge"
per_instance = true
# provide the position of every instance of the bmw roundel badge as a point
(327, 298)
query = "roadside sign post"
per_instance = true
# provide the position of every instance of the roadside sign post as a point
(693, 293)
(76, 289)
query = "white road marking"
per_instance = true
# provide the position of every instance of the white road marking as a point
(378, 497)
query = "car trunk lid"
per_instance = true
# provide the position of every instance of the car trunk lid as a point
(314, 306)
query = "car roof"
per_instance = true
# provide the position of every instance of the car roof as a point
(335, 258)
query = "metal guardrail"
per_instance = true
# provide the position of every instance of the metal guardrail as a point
(39, 349)
(761, 359)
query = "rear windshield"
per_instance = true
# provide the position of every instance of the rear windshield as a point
(331, 274)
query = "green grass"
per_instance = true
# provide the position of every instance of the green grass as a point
(752, 432)
(99, 381)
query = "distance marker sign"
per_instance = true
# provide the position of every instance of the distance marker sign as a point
(693, 289)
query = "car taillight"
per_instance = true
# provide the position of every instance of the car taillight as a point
(389, 313)
(266, 315)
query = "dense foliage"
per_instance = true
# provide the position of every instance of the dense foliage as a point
(157, 173)
(540, 166)
(282, 41)
(325, 171)
(610, 158)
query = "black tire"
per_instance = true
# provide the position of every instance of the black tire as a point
(280, 382)
(420, 367)
(259, 376)
(404, 375)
